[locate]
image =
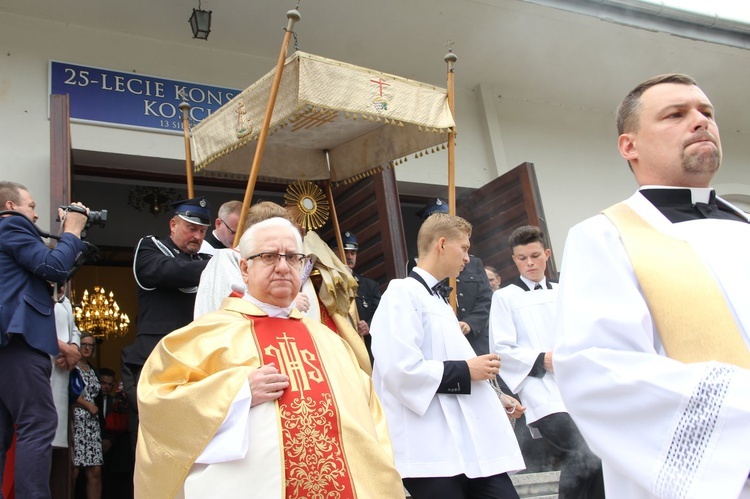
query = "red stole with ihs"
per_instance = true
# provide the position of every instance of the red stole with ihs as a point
(314, 462)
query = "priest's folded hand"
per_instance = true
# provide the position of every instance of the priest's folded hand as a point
(266, 384)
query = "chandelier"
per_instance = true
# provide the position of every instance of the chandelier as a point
(155, 200)
(100, 315)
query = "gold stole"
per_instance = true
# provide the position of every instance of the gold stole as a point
(691, 315)
(314, 461)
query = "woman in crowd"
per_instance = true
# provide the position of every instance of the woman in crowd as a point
(87, 442)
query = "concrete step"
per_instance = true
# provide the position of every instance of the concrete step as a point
(533, 485)
(537, 485)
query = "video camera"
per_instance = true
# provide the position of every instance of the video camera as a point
(95, 217)
(91, 253)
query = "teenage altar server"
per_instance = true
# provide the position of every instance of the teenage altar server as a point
(255, 401)
(522, 332)
(654, 364)
(450, 434)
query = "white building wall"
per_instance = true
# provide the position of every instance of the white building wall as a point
(27, 47)
(573, 148)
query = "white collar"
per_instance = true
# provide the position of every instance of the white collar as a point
(429, 279)
(531, 284)
(698, 194)
(271, 310)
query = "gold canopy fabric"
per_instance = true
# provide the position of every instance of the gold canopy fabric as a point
(364, 119)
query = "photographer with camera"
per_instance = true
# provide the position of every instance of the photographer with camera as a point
(27, 332)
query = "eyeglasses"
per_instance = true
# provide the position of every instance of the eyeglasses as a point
(293, 259)
(87, 345)
(233, 232)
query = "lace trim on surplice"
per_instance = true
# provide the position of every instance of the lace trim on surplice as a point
(693, 433)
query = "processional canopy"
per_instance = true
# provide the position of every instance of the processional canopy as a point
(363, 119)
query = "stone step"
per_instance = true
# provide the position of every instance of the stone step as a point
(533, 485)
(537, 485)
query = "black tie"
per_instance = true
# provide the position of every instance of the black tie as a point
(538, 286)
(442, 290)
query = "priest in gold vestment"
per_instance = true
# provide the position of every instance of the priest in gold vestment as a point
(255, 401)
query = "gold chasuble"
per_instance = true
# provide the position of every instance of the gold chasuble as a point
(314, 462)
(325, 438)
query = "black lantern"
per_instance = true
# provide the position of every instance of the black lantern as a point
(200, 23)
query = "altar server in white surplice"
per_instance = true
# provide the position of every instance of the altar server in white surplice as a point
(522, 333)
(653, 364)
(451, 436)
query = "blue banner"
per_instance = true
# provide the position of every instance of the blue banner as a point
(133, 100)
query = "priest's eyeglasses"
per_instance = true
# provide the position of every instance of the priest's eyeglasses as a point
(293, 259)
(231, 231)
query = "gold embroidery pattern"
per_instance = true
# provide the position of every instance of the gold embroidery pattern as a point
(314, 458)
(294, 361)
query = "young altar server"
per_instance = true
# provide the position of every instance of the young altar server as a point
(522, 332)
(450, 433)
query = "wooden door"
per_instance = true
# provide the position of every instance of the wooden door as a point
(61, 476)
(60, 171)
(499, 207)
(370, 209)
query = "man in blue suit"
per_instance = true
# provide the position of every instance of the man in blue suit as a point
(27, 334)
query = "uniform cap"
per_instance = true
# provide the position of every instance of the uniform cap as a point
(350, 241)
(195, 210)
(437, 205)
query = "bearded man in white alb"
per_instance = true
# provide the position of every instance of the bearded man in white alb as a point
(653, 363)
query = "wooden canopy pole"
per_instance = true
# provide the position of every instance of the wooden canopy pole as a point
(334, 216)
(353, 315)
(292, 17)
(450, 59)
(336, 226)
(185, 107)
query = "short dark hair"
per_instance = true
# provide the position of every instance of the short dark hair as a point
(11, 191)
(106, 371)
(491, 269)
(627, 111)
(526, 235)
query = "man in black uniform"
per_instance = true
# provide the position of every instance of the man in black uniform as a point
(225, 227)
(473, 292)
(167, 273)
(368, 290)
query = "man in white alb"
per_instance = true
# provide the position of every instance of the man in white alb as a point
(653, 363)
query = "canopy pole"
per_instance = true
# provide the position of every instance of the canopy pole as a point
(185, 107)
(450, 59)
(335, 220)
(353, 315)
(292, 17)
